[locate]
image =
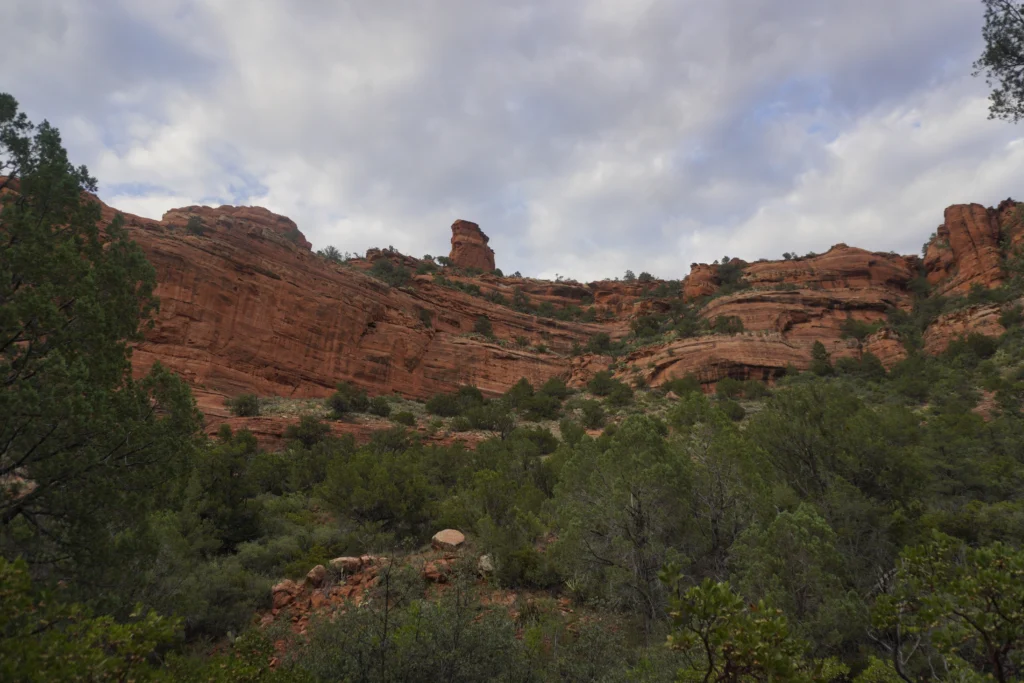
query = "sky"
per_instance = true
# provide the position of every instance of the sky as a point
(586, 137)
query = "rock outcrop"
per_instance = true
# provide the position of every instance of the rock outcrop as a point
(702, 281)
(247, 307)
(965, 251)
(976, 319)
(469, 247)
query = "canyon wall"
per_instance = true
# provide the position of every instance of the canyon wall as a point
(246, 306)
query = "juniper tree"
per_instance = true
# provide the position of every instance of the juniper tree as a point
(85, 449)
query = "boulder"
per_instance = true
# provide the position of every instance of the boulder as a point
(349, 565)
(485, 565)
(284, 593)
(317, 576)
(448, 539)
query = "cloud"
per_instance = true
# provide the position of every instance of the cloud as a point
(586, 137)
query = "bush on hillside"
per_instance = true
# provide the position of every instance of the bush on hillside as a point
(404, 418)
(347, 399)
(380, 407)
(244, 405)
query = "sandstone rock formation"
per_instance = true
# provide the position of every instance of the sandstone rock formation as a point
(469, 247)
(702, 281)
(965, 250)
(977, 319)
(247, 307)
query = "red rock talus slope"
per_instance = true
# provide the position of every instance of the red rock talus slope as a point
(469, 247)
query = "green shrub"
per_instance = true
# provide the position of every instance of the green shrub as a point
(754, 389)
(195, 226)
(519, 392)
(620, 395)
(541, 407)
(453, 638)
(727, 387)
(1011, 317)
(858, 329)
(972, 349)
(491, 417)
(541, 348)
(602, 383)
(469, 396)
(386, 271)
(309, 431)
(483, 326)
(426, 317)
(821, 364)
(684, 385)
(647, 325)
(404, 418)
(544, 441)
(522, 342)
(572, 432)
(733, 410)
(727, 324)
(460, 424)
(444, 405)
(556, 388)
(593, 414)
(392, 440)
(600, 343)
(380, 406)
(347, 399)
(244, 405)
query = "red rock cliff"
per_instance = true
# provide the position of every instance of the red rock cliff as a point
(246, 306)
(965, 250)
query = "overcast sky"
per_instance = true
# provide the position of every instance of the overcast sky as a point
(585, 136)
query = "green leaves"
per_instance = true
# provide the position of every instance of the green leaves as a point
(88, 446)
(967, 603)
(722, 639)
(44, 638)
(1003, 57)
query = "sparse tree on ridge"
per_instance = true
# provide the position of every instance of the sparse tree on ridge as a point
(1002, 61)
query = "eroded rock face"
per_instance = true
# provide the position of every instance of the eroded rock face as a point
(711, 358)
(841, 267)
(966, 250)
(469, 247)
(246, 307)
(977, 319)
(702, 281)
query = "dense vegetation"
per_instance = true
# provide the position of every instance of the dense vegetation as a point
(851, 523)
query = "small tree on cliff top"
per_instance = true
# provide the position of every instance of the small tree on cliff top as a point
(1002, 61)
